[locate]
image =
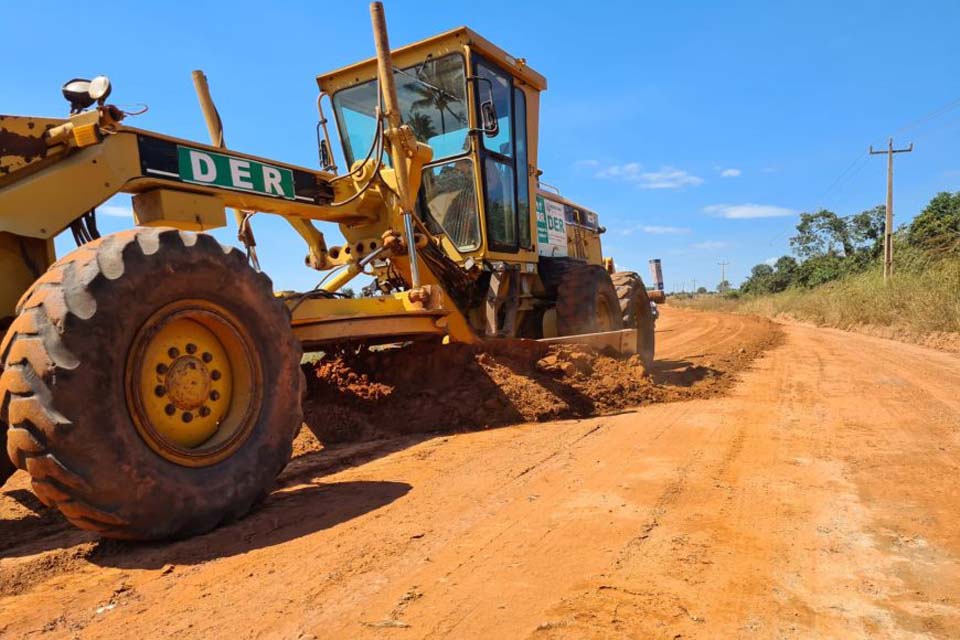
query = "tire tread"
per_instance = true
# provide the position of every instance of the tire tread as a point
(33, 353)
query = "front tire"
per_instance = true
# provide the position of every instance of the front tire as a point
(151, 385)
(6, 467)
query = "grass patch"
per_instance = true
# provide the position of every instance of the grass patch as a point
(922, 298)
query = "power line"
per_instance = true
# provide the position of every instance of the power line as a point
(951, 124)
(839, 179)
(845, 176)
(936, 113)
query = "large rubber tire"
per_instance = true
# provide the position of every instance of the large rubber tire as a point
(6, 467)
(637, 314)
(64, 395)
(586, 301)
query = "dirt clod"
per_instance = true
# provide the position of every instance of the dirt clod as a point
(365, 394)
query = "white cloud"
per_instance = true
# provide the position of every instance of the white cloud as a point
(586, 164)
(115, 211)
(655, 230)
(658, 230)
(770, 261)
(629, 172)
(666, 178)
(730, 173)
(744, 211)
(709, 245)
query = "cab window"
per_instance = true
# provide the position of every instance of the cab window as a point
(448, 202)
(501, 156)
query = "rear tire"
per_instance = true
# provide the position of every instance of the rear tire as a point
(81, 352)
(587, 301)
(6, 467)
(637, 314)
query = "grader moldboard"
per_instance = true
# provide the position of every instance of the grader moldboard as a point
(151, 380)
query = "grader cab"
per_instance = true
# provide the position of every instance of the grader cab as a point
(150, 379)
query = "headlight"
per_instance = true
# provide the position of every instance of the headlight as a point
(82, 93)
(100, 88)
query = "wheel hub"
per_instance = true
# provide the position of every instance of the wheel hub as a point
(181, 383)
(187, 383)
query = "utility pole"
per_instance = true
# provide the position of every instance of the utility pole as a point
(723, 274)
(888, 225)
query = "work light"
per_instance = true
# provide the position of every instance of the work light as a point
(82, 93)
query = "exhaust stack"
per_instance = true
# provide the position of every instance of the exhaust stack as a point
(656, 274)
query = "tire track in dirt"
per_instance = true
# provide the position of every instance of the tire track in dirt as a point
(814, 500)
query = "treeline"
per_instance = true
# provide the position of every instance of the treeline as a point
(828, 247)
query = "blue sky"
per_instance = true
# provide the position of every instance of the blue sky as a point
(698, 130)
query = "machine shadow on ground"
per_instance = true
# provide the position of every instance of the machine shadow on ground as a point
(44, 529)
(681, 373)
(286, 515)
(290, 512)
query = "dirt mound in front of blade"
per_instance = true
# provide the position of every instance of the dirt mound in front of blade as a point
(364, 394)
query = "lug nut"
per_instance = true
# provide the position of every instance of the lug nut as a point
(215, 375)
(214, 395)
(170, 409)
(174, 353)
(160, 390)
(187, 416)
(191, 348)
(207, 357)
(204, 412)
(162, 369)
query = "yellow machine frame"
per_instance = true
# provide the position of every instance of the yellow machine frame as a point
(100, 157)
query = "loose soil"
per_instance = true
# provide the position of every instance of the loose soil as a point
(360, 395)
(811, 492)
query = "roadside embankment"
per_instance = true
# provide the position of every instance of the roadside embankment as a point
(920, 306)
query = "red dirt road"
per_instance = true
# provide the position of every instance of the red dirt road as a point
(820, 497)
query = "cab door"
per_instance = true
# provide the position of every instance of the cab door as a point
(503, 160)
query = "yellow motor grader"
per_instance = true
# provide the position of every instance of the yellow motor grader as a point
(151, 380)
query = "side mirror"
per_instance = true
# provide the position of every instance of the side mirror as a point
(326, 158)
(488, 118)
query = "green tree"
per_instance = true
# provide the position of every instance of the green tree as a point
(760, 280)
(784, 273)
(821, 233)
(938, 225)
(819, 269)
(765, 278)
(723, 287)
(866, 231)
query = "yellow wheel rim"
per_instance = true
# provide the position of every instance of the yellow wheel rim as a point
(193, 383)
